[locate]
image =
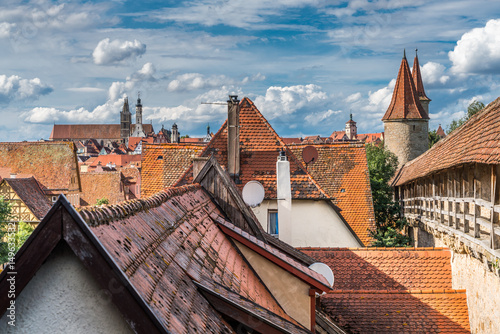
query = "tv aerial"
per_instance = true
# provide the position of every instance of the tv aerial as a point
(253, 193)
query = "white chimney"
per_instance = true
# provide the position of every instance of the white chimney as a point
(284, 195)
(13, 175)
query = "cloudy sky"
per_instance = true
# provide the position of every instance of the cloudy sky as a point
(305, 63)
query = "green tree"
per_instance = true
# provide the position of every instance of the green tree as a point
(24, 231)
(433, 138)
(102, 201)
(472, 109)
(382, 165)
(5, 211)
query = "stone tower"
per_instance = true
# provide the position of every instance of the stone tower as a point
(125, 120)
(138, 128)
(419, 85)
(406, 123)
(351, 131)
(174, 137)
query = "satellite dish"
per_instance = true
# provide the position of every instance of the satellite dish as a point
(324, 270)
(310, 154)
(253, 193)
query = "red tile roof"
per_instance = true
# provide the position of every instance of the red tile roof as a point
(119, 160)
(475, 141)
(427, 311)
(386, 269)
(166, 241)
(30, 192)
(164, 164)
(53, 164)
(417, 80)
(440, 132)
(87, 131)
(405, 103)
(98, 185)
(342, 172)
(398, 290)
(260, 146)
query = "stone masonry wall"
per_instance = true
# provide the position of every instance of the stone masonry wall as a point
(406, 138)
(471, 270)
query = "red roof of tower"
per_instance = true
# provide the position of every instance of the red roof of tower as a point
(405, 103)
(417, 80)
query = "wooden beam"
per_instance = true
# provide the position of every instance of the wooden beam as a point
(492, 200)
(477, 233)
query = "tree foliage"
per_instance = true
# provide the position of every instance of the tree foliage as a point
(382, 165)
(102, 201)
(433, 138)
(472, 109)
(20, 234)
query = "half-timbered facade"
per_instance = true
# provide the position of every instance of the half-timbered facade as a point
(27, 200)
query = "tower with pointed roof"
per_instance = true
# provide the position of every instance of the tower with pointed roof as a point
(125, 120)
(406, 122)
(419, 85)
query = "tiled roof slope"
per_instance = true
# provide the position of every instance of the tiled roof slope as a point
(396, 290)
(405, 103)
(259, 147)
(417, 80)
(31, 194)
(386, 269)
(164, 164)
(342, 172)
(87, 131)
(475, 141)
(431, 311)
(97, 185)
(53, 164)
(166, 241)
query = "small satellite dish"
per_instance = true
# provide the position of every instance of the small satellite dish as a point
(253, 193)
(324, 270)
(310, 154)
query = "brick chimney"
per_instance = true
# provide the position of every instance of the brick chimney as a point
(233, 137)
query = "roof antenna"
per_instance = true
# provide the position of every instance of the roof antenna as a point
(404, 53)
(416, 52)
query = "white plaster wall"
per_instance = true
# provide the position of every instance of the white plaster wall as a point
(64, 298)
(314, 224)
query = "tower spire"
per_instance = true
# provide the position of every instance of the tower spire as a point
(419, 84)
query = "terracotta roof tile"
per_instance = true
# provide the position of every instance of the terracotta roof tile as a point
(405, 103)
(87, 131)
(342, 172)
(53, 164)
(417, 80)
(101, 185)
(31, 194)
(386, 269)
(161, 241)
(259, 147)
(164, 164)
(399, 312)
(475, 141)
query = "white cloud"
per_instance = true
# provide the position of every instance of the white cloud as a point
(434, 73)
(353, 97)
(145, 74)
(111, 52)
(478, 51)
(17, 88)
(103, 113)
(280, 101)
(6, 29)
(316, 118)
(85, 89)
(379, 100)
(193, 81)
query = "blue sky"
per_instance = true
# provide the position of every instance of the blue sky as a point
(305, 63)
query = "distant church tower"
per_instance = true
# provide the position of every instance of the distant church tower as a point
(138, 128)
(406, 122)
(125, 121)
(351, 131)
(174, 138)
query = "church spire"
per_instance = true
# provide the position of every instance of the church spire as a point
(405, 103)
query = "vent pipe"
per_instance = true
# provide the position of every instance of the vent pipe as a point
(233, 137)
(284, 195)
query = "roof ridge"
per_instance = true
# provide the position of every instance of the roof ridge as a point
(105, 214)
(374, 248)
(405, 292)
